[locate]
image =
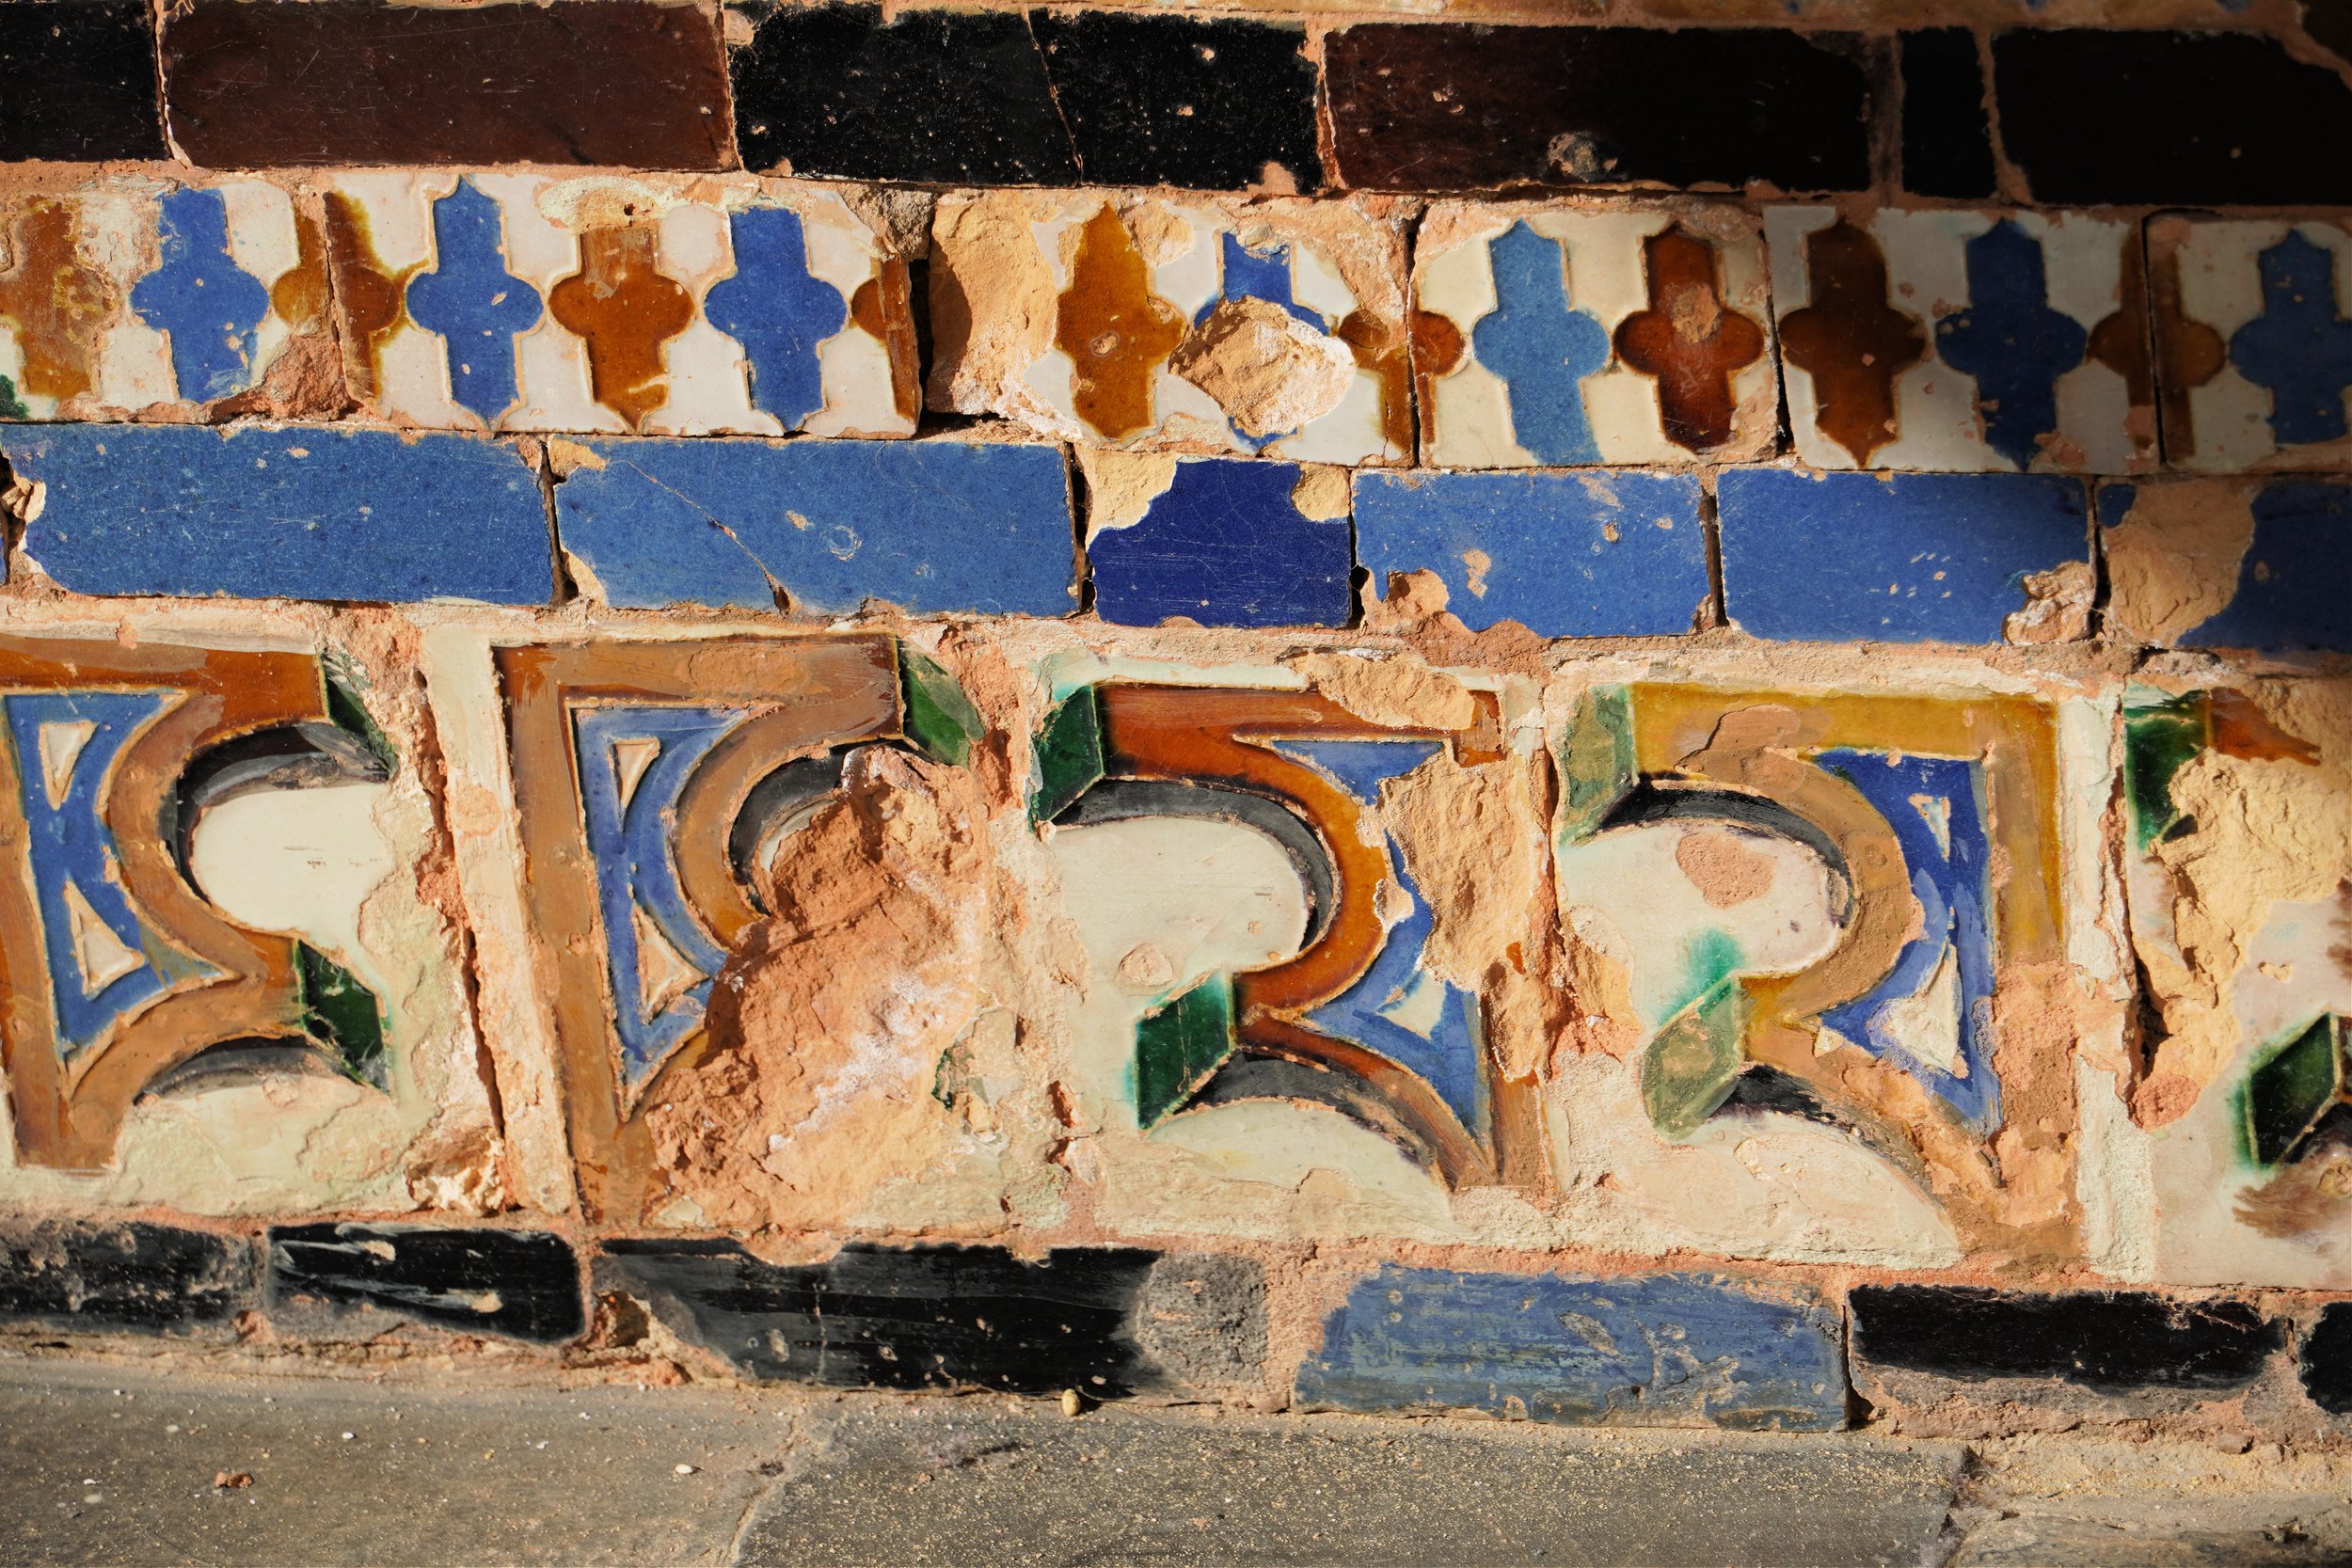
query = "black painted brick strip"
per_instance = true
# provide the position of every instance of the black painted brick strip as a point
(91, 1276)
(2109, 1340)
(1947, 134)
(523, 1284)
(80, 79)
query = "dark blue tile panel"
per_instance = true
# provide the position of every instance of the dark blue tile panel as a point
(304, 514)
(932, 527)
(1643, 1350)
(1900, 558)
(1614, 554)
(1225, 546)
(2294, 586)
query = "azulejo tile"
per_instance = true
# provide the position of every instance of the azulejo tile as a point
(1423, 106)
(1832, 911)
(1155, 323)
(2229, 563)
(2253, 324)
(934, 527)
(1961, 340)
(1920, 558)
(82, 76)
(1663, 1350)
(1218, 542)
(625, 82)
(284, 513)
(1562, 335)
(675, 797)
(497, 300)
(1621, 554)
(139, 296)
(1357, 999)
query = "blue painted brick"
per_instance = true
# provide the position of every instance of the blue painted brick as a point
(304, 514)
(1900, 558)
(1225, 546)
(2295, 584)
(1651, 1350)
(1604, 554)
(932, 527)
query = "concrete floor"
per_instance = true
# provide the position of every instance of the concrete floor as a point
(116, 1463)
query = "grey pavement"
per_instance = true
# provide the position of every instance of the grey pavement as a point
(115, 1463)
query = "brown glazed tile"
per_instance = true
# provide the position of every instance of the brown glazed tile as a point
(258, 82)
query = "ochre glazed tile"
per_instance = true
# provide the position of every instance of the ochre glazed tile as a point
(1957, 340)
(521, 302)
(1559, 335)
(638, 84)
(1273, 328)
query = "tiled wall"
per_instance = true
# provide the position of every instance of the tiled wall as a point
(1608, 713)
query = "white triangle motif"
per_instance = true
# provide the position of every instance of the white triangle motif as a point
(631, 758)
(61, 743)
(664, 973)
(100, 954)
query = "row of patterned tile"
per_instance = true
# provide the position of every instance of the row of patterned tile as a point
(1560, 334)
(1055, 96)
(1112, 1322)
(943, 526)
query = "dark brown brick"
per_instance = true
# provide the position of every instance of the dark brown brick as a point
(256, 83)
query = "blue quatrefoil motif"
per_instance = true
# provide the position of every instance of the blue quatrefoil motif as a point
(778, 310)
(200, 298)
(2012, 341)
(472, 301)
(1541, 346)
(2299, 349)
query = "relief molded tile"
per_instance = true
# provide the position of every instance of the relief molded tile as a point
(2253, 324)
(1963, 340)
(1273, 328)
(224, 990)
(1557, 335)
(505, 301)
(133, 296)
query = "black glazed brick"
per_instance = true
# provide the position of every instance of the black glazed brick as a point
(79, 1276)
(1948, 134)
(523, 1284)
(1444, 106)
(878, 1317)
(2326, 1359)
(80, 80)
(938, 96)
(1172, 101)
(2106, 1340)
(2151, 117)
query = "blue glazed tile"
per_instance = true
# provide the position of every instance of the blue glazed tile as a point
(2291, 588)
(2012, 341)
(200, 298)
(472, 301)
(1906, 558)
(1225, 544)
(1613, 554)
(1542, 346)
(2299, 349)
(1653, 1350)
(304, 514)
(932, 527)
(778, 310)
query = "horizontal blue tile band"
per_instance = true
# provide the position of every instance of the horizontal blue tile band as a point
(308, 513)
(1225, 544)
(1642, 1349)
(1601, 553)
(1900, 558)
(932, 527)
(2290, 593)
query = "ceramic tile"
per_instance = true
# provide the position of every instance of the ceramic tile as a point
(821, 526)
(72, 1276)
(631, 82)
(1582, 1351)
(689, 807)
(2228, 563)
(1948, 558)
(133, 296)
(2253, 343)
(1619, 333)
(1959, 340)
(308, 513)
(1218, 542)
(1946, 130)
(499, 300)
(1564, 555)
(1344, 1000)
(82, 81)
(2094, 116)
(1445, 107)
(345, 1281)
(195, 1014)
(1156, 322)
